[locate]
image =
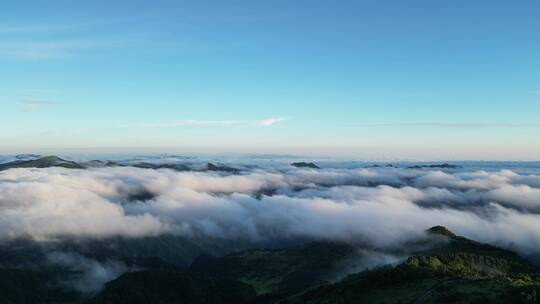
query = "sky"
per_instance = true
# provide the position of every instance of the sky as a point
(417, 79)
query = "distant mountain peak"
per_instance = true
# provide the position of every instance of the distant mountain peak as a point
(43, 162)
(305, 165)
(221, 167)
(441, 230)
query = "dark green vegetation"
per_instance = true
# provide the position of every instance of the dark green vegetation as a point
(305, 165)
(453, 270)
(44, 162)
(278, 271)
(450, 269)
(164, 287)
(28, 275)
(456, 270)
(160, 252)
(18, 286)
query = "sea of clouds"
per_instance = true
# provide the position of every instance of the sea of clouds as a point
(378, 207)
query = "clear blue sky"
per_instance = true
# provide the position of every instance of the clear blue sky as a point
(377, 79)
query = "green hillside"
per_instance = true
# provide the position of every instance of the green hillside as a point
(457, 271)
(450, 269)
(278, 271)
(167, 287)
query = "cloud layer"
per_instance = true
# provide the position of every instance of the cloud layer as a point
(381, 208)
(216, 123)
(472, 125)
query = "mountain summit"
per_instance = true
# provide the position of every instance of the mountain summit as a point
(441, 230)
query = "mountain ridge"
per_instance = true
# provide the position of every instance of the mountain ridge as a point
(42, 162)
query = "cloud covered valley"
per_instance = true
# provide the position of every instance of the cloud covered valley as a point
(99, 222)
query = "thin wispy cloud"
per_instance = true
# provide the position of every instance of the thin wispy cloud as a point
(30, 44)
(42, 91)
(449, 125)
(37, 102)
(51, 49)
(216, 123)
(22, 29)
(32, 105)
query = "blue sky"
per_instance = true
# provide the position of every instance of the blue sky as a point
(367, 79)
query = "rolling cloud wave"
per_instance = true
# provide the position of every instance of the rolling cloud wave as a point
(378, 207)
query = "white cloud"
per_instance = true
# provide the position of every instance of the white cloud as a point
(381, 208)
(216, 123)
(23, 29)
(44, 50)
(31, 105)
